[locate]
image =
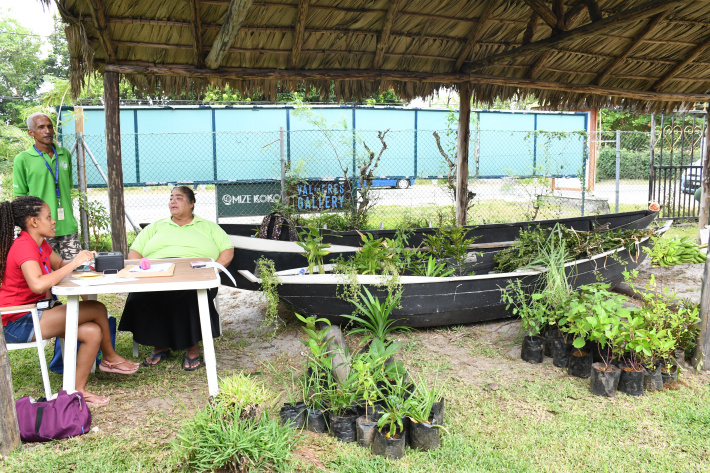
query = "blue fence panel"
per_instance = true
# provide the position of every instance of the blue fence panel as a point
(398, 158)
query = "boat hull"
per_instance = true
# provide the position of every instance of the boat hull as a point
(245, 256)
(431, 302)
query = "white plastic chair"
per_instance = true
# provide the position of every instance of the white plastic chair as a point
(39, 343)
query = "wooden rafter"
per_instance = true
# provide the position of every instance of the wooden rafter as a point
(299, 32)
(560, 14)
(530, 29)
(545, 13)
(637, 41)
(180, 70)
(573, 13)
(196, 33)
(384, 37)
(475, 34)
(595, 13)
(642, 11)
(99, 18)
(690, 58)
(539, 64)
(236, 13)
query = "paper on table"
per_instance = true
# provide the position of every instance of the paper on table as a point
(154, 268)
(101, 280)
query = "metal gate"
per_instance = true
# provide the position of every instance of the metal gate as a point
(676, 163)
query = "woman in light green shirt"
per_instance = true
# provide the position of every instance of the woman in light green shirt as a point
(170, 320)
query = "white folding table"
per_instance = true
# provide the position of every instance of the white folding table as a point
(184, 278)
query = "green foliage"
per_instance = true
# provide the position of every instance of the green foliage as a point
(612, 120)
(672, 251)
(375, 321)
(432, 269)
(313, 248)
(577, 244)
(450, 244)
(234, 432)
(317, 341)
(533, 309)
(424, 397)
(269, 283)
(634, 164)
(595, 314)
(98, 219)
(396, 407)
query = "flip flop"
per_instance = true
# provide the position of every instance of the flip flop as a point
(94, 400)
(156, 356)
(122, 367)
(190, 361)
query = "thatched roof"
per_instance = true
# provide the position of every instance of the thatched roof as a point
(639, 54)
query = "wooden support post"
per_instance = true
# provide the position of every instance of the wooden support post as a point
(464, 135)
(114, 166)
(81, 174)
(9, 429)
(702, 347)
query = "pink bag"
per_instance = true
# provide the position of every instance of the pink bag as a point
(63, 417)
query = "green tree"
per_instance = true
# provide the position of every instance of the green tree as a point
(57, 63)
(20, 70)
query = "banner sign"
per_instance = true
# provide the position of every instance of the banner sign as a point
(246, 198)
(318, 196)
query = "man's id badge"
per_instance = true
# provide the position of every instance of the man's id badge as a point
(60, 214)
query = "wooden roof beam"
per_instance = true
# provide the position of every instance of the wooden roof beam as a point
(236, 13)
(690, 58)
(595, 13)
(545, 13)
(96, 10)
(574, 13)
(530, 29)
(637, 41)
(560, 14)
(299, 33)
(642, 11)
(135, 67)
(198, 60)
(384, 37)
(474, 34)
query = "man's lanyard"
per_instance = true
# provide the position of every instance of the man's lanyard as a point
(54, 174)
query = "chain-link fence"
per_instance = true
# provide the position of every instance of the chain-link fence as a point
(373, 178)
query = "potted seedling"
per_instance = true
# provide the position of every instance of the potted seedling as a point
(533, 313)
(341, 396)
(425, 427)
(390, 437)
(293, 412)
(367, 376)
(637, 347)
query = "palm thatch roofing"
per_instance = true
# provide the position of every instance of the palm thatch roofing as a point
(645, 55)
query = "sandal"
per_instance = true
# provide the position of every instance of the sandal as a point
(121, 367)
(156, 358)
(94, 400)
(190, 361)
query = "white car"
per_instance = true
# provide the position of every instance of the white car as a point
(690, 179)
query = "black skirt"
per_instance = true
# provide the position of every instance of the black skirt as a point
(167, 319)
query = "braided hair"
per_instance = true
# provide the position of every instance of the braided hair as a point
(13, 214)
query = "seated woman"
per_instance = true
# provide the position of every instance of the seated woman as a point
(29, 269)
(171, 319)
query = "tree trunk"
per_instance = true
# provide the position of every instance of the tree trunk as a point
(464, 135)
(114, 166)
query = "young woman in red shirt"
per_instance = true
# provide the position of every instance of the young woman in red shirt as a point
(29, 269)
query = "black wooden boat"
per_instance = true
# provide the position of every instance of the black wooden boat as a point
(286, 255)
(430, 301)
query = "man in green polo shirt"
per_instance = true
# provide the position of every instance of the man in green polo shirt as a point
(45, 171)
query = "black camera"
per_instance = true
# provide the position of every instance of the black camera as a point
(45, 304)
